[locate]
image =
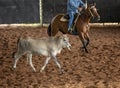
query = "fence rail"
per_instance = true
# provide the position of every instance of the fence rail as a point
(46, 25)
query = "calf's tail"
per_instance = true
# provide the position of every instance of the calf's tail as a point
(18, 43)
(22, 44)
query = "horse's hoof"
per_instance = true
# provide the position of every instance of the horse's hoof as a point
(86, 51)
(82, 49)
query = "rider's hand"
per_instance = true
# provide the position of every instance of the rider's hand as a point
(80, 9)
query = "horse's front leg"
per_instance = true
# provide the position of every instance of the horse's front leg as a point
(84, 46)
(84, 42)
(87, 39)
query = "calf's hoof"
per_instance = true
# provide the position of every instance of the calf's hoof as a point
(12, 68)
(62, 71)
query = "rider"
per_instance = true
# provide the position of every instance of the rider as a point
(73, 7)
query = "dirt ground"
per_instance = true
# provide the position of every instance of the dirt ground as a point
(100, 68)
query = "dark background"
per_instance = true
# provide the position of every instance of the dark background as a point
(27, 11)
(19, 11)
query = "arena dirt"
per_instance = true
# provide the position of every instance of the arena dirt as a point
(100, 68)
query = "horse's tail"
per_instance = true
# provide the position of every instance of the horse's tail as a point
(49, 30)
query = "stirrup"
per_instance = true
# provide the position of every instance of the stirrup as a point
(70, 31)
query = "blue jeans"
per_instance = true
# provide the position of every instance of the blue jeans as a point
(71, 15)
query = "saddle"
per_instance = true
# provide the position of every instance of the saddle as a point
(66, 18)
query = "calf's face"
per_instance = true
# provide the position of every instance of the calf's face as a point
(65, 42)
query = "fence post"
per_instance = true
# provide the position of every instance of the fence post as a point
(40, 12)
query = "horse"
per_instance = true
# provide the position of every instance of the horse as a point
(81, 25)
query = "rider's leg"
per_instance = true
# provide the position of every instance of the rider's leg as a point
(71, 15)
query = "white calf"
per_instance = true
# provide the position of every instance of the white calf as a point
(48, 47)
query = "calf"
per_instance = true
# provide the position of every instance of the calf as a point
(48, 47)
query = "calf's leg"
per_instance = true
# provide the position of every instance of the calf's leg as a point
(15, 62)
(16, 57)
(58, 64)
(45, 64)
(30, 61)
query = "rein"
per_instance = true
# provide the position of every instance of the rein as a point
(91, 12)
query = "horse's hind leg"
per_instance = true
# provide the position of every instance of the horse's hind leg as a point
(52, 31)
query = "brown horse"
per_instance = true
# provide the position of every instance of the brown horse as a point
(81, 24)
